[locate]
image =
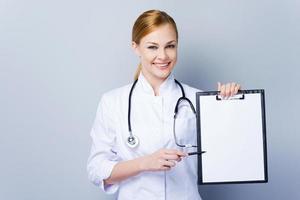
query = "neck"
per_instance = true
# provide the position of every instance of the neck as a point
(154, 82)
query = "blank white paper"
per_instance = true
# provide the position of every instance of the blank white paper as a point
(232, 136)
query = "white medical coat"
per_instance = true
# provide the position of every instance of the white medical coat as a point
(152, 123)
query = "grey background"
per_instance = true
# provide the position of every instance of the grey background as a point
(58, 57)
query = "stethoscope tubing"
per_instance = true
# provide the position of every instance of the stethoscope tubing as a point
(132, 140)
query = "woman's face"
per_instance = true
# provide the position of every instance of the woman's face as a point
(158, 52)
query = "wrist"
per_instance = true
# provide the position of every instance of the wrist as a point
(141, 164)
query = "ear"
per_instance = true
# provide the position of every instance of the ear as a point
(135, 48)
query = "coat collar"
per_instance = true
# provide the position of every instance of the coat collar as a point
(165, 88)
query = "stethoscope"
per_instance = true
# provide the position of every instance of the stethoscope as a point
(133, 141)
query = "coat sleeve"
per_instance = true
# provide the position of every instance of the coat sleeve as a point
(102, 158)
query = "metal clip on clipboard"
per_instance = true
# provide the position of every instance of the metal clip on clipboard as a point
(239, 96)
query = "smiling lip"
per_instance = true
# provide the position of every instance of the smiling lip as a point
(162, 65)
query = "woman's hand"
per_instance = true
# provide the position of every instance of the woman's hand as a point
(229, 89)
(163, 159)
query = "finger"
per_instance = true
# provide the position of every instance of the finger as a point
(165, 168)
(169, 163)
(171, 156)
(175, 151)
(179, 159)
(219, 86)
(162, 166)
(237, 88)
(227, 90)
(170, 151)
(222, 90)
(181, 153)
(232, 89)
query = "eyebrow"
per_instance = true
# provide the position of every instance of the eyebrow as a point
(157, 44)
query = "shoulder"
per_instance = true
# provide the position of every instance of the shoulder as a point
(190, 89)
(117, 92)
(190, 92)
(114, 96)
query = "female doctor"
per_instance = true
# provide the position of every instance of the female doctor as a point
(137, 147)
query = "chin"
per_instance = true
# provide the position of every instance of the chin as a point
(160, 73)
(163, 75)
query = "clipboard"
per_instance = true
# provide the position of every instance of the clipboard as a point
(233, 134)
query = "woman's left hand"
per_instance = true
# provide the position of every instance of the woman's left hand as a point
(229, 89)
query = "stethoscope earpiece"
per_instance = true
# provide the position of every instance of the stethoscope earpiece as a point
(132, 141)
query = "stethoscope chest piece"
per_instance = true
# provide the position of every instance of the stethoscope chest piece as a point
(132, 141)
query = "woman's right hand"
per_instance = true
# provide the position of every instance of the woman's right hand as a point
(161, 160)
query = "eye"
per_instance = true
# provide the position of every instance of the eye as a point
(171, 46)
(152, 47)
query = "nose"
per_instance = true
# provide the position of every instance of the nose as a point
(162, 54)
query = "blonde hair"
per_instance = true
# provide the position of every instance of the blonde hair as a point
(146, 23)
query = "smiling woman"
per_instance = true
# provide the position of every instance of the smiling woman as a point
(148, 23)
(144, 161)
(158, 54)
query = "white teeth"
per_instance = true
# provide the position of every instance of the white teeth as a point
(162, 65)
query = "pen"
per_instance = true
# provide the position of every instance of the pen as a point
(196, 153)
